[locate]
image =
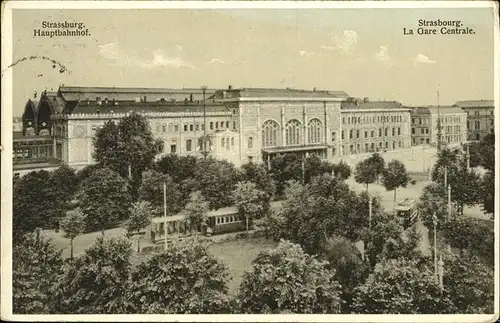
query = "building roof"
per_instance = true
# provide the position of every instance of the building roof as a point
(419, 110)
(371, 105)
(476, 104)
(124, 107)
(76, 93)
(278, 93)
(445, 109)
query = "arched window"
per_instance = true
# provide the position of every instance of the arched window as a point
(314, 131)
(270, 134)
(293, 132)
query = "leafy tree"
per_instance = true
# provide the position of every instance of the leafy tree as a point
(36, 264)
(401, 286)
(286, 279)
(257, 173)
(433, 201)
(184, 279)
(216, 180)
(447, 158)
(487, 151)
(180, 168)
(31, 203)
(140, 217)
(151, 190)
(395, 176)
(104, 199)
(129, 143)
(97, 281)
(342, 170)
(469, 282)
(387, 239)
(350, 269)
(314, 166)
(196, 210)
(250, 201)
(377, 163)
(62, 186)
(73, 224)
(475, 235)
(465, 187)
(365, 173)
(488, 193)
(85, 172)
(285, 168)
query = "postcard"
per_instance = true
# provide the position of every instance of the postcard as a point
(261, 161)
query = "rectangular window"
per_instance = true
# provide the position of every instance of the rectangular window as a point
(191, 127)
(211, 125)
(399, 131)
(380, 132)
(372, 133)
(250, 142)
(185, 127)
(422, 131)
(216, 125)
(227, 124)
(357, 133)
(343, 134)
(426, 131)
(393, 131)
(163, 128)
(188, 145)
(234, 124)
(176, 128)
(343, 120)
(412, 131)
(202, 127)
(197, 127)
(350, 134)
(366, 134)
(334, 136)
(173, 148)
(386, 131)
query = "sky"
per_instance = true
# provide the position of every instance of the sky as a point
(360, 51)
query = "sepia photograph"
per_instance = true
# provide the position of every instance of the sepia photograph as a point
(312, 161)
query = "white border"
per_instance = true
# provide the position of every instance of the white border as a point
(6, 155)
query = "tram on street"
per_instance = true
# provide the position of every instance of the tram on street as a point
(406, 210)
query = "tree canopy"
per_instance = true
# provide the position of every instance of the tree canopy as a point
(286, 279)
(395, 176)
(73, 224)
(365, 172)
(185, 279)
(251, 202)
(151, 190)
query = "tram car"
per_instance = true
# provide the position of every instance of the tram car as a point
(223, 220)
(407, 211)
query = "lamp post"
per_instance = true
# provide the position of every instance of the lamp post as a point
(369, 212)
(165, 246)
(468, 157)
(434, 221)
(441, 271)
(449, 200)
(445, 176)
(204, 152)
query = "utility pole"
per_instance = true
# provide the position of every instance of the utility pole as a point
(445, 176)
(165, 214)
(204, 152)
(434, 221)
(449, 200)
(369, 212)
(441, 271)
(468, 157)
(129, 172)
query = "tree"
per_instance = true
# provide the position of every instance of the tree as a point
(377, 163)
(180, 168)
(250, 201)
(432, 201)
(86, 172)
(342, 170)
(130, 143)
(184, 279)
(36, 265)
(365, 173)
(31, 203)
(401, 286)
(471, 234)
(73, 224)
(387, 239)
(217, 181)
(487, 151)
(448, 159)
(97, 281)
(350, 269)
(285, 168)
(258, 174)
(140, 217)
(196, 210)
(151, 190)
(395, 176)
(104, 199)
(465, 187)
(62, 186)
(488, 193)
(286, 279)
(469, 282)
(314, 166)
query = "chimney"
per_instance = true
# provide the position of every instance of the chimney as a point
(230, 87)
(191, 97)
(314, 89)
(144, 98)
